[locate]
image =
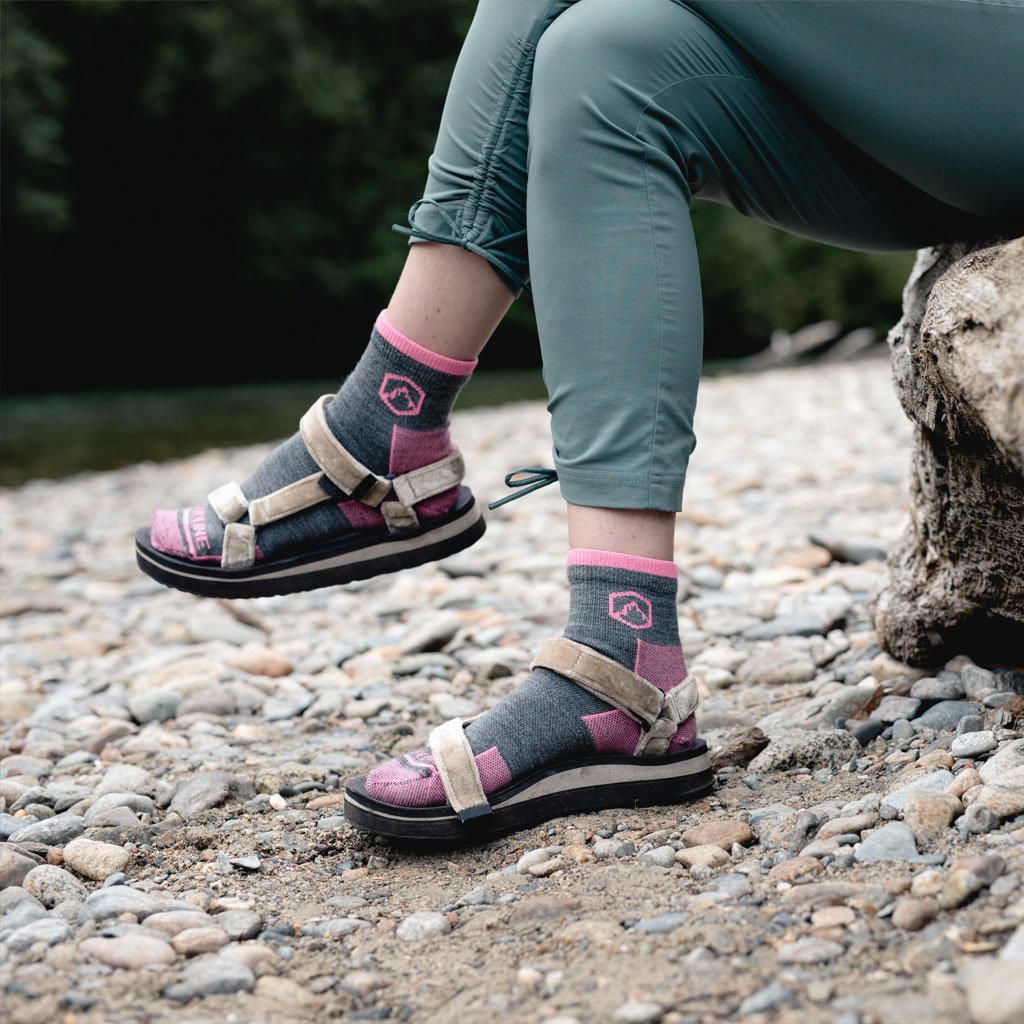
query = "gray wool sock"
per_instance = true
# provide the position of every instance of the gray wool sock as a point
(625, 611)
(628, 616)
(391, 413)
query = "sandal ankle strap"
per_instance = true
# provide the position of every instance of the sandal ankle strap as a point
(658, 713)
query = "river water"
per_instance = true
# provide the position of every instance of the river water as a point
(58, 435)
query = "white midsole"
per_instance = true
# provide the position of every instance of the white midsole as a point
(572, 778)
(445, 532)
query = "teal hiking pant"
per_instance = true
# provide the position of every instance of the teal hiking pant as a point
(575, 136)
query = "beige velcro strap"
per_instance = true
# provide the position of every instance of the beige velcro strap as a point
(286, 501)
(228, 502)
(602, 677)
(398, 516)
(334, 459)
(660, 714)
(457, 768)
(435, 478)
(239, 550)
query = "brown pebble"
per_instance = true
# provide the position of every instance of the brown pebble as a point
(898, 885)
(913, 914)
(260, 661)
(55, 855)
(796, 868)
(719, 833)
(331, 800)
(967, 779)
(194, 941)
(833, 917)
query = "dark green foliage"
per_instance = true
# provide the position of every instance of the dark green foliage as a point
(207, 178)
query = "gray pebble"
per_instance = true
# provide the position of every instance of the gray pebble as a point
(111, 801)
(766, 999)
(894, 841)
(930, 688)
(663, 924)
(288, 705)
(123, 778)
(334, 927)
(240, 924)
(809, 951)
(533, 857)
(154, 706)
(946, 714)
(52, 885)
(934, 782)
(15, 896)
(424, 924)
(24, 913)
(9, 824)
(978, 680)
(902, 730)
(210, 975)
(978, 820)
(55, 831)
(210, 789)
(893, 708)
(969, 723)
(973, 744)
(638, 1012)
(50, 930)
(122, 899)
(661, 856)
(607, 849)
(822, 748)
(430, 633)
(733, 883)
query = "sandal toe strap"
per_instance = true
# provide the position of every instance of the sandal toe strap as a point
(457, 767)
(346, 472)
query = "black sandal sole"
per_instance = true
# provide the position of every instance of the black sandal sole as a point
(572, 787)
(356, 556)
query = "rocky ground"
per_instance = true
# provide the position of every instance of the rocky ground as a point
(172, 767)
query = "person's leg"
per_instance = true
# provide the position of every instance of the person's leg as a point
(449, 300)
(391, 413)
(635, 109)
(931, 89)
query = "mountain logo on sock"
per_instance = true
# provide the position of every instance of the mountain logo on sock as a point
(631, 609)
(404, 397)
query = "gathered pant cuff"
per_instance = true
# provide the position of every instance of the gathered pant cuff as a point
(429, 221)
(597, 489)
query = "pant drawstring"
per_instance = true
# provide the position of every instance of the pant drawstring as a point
(533, 478)
(498, 259)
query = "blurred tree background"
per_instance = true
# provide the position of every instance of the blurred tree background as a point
(186, 183)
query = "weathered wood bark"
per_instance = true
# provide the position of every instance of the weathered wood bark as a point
(955, 582)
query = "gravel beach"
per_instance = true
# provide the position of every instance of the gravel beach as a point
(171, 767)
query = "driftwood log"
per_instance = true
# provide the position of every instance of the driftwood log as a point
(954, 584)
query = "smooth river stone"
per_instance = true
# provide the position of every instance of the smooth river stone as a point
(933, 782)
(132, 952)
(95, 860)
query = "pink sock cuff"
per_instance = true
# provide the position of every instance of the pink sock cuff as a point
(436, 361)
(617, 560)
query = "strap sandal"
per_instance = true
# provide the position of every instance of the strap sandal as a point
(650, 776)
(402, 542)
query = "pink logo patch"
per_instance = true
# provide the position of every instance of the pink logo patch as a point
(631, 609)
(402, 396)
